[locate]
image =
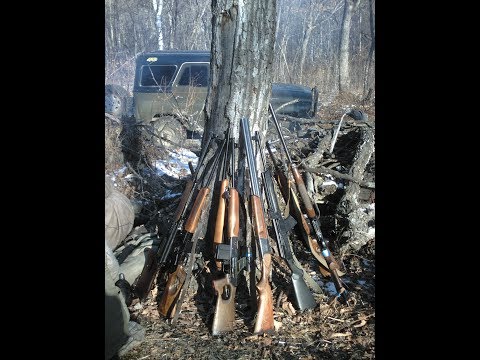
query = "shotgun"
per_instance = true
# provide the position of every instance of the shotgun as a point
(313, 218)
(226, 286)
(177, 278)
(303, 297)
(264, 322)
(155, 260)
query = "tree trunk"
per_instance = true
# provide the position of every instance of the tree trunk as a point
(158, 7)
(372, 49)
(243, 39)
(344, 47)
(309, 26)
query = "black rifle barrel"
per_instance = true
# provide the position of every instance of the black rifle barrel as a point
(250, 157)
(275, 122)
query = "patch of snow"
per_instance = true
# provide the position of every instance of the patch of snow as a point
(329, 287)
(170, 195)
(176, 165)
(329, 182)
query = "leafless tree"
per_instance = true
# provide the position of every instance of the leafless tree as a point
(308, 34)
(344, 46)
(371, 52)
(158, 7)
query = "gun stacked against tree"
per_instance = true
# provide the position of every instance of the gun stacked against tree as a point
(312, 216)
(177, 278)
(264, 321)
(303, 297)
(155, 260)
(222, 198)
(289, 191)
(225, 287)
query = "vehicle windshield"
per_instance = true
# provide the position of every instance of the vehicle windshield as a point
(157, 75)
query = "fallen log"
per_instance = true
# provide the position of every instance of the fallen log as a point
(354, 218)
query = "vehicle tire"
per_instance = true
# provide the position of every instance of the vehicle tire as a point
(115, 100)
(169, 131)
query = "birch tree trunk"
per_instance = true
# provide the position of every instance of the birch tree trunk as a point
(309, 26)
(344, 46)
(158, 7)
(243, 39)
(372, 49)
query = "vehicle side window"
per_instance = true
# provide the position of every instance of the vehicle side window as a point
(157, 75)
(194, 75)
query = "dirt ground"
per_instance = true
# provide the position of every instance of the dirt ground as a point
(332, 330)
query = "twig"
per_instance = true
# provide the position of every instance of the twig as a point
(286, 104)
(111, 117)
(335, 319)
(335, 134)
(361, 257)
(323, 169)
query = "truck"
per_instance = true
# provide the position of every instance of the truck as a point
(170, 89)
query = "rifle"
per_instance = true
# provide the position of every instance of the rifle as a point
(264, 322)
(312, 216)
(156, 259)
(225, 287)
(220, 220)
(289, 191)
(303, 297)
(178, 277)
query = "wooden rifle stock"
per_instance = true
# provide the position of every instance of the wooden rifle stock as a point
(224, 317)
(197, 208)
(264, 322)
(172, 290)
(220, 220)
(144, 282)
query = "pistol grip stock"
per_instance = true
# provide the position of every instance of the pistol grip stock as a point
(172, 289)
(264, 322)
(224, 318)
